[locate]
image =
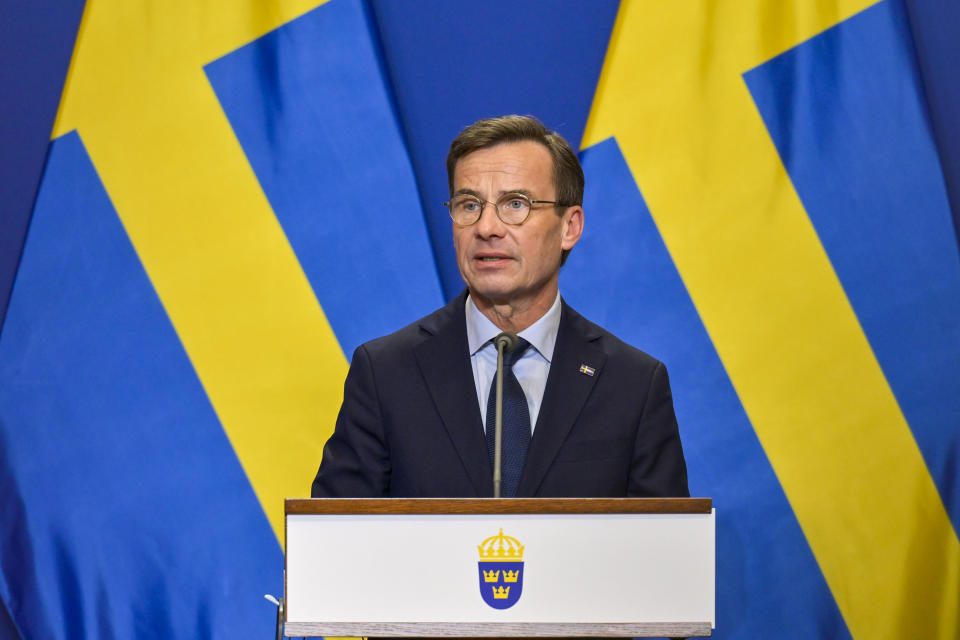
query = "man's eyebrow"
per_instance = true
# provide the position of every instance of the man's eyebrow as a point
(500, 194)
(519, 192)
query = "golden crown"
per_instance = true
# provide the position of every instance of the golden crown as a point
(492, 576)
(501, 593)
(500, 547)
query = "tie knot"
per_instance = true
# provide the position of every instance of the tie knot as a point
(510, 358)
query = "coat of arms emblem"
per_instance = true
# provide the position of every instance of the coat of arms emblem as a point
(501, 570)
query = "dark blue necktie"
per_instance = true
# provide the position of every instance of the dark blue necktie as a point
(516, 423)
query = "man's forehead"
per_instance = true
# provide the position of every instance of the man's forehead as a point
(525, 159)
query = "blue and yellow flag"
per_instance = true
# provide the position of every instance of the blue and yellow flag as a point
(237, 194)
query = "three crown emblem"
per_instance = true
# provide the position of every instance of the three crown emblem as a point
(501, 570)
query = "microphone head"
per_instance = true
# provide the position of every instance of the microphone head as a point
(507, 340)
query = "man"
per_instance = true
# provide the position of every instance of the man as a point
(585, 414)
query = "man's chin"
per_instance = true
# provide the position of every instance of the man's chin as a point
(492, 295)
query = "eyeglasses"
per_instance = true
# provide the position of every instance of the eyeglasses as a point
(511, 208)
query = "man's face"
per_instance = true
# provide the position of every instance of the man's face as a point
(516, 265)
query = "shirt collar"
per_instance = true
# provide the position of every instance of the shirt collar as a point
(542, 334)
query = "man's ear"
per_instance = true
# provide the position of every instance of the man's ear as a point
(572, 227)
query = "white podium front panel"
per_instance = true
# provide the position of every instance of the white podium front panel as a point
(574, 568)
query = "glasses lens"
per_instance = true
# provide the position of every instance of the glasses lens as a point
(514, 208)
(465, 209)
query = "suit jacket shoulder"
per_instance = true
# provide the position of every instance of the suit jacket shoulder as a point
(447, 322)
(410, 424)
(607, 425)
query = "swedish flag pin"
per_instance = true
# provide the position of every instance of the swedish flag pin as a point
(584, 369)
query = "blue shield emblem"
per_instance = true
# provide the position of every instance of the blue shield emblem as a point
(500, 570)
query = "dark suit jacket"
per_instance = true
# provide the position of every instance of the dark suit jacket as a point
(410, 423)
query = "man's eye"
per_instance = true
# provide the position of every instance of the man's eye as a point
(516, 203)
(469, 205)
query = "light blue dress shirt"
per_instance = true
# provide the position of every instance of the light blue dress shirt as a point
(531, 369)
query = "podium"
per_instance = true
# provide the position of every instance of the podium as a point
(514, 567)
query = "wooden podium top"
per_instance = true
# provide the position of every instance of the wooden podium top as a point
(425, 506)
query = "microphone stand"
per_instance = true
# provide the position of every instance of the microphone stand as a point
(505, 343)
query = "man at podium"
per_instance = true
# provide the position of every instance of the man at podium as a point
(584, 414)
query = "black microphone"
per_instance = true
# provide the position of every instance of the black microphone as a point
(505, 343)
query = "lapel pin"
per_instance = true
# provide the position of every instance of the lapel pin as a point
(584, 369)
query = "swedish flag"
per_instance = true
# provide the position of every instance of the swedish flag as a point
(238, 193)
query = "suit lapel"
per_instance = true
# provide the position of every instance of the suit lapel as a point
(565, 394)
(444, 361)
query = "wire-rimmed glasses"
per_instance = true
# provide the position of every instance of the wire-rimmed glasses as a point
(511, 208)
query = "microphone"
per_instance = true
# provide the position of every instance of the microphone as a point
(507, 340)
(505, 343)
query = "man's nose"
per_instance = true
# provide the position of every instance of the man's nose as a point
(489, 223)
